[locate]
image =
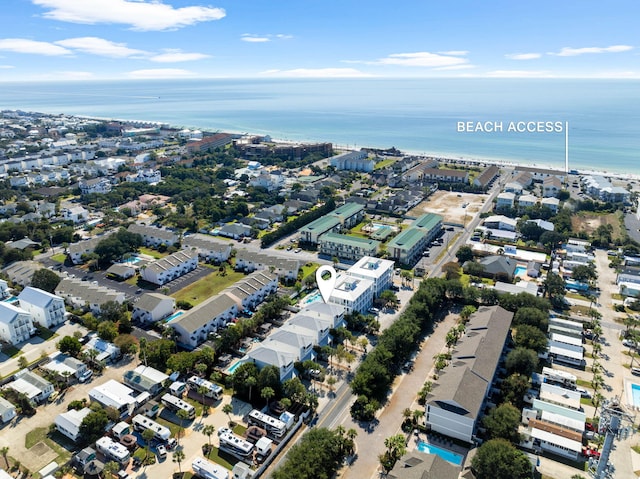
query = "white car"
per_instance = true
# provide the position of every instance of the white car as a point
(162, 451)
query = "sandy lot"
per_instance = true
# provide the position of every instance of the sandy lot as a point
(449, 204)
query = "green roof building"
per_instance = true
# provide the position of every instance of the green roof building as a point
(408, 246)
(347, 247)
(344, 217)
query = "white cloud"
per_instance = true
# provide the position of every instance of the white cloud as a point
(421, 59)
(318, 73)
(456, 67)
(161, 73)
(101, 47)
(6, 67)
(523, 56)
(139, 14)
(254, 38)
(20, 45)
(572, 52)
(176, 56)
(519, 74)
(457, 53)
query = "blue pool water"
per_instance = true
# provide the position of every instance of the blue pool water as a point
(452, 457)
(635, 394)
(133, 260)
(12, 299)
(311, 298)
(175, 315)
(520, 271)
(234, 366)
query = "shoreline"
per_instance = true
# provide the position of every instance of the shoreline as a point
(451, 157)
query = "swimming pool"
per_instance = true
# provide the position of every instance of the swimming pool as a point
(449, 456)
(520, 271)
(635, 394)
(12, 299)
(175, 315)
(311, 298)
(234, 366)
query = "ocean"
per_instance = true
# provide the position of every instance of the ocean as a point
(419, 116)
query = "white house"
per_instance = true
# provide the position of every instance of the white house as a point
(195, 325)
(170, 267)
(95, 185)
(355, 294)
(152, 307)
(7, 411)
(145, 176)
(36, 388)
(208, 247)
(82, 294)
(76, 251)
(278, 354)
(152, 236)
(105, 350)
(249, 261)
(252, 290)
(552, 203)
(45, 308)
(116, 395)
(77, 214)
(378, 270)
(505, 200)
(63, 365)
(4, 289)
(68, 423)
(16, 324)
(145, 379)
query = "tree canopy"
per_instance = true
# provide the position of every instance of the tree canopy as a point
(92, 426)
(46, 280)
(498, 459)
(502, 423)
(530, 337)
(521, 360)
(70, 345)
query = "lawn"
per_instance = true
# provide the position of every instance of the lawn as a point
(384, 163)
(60, 257)
(309, 268)
(39, 434)
(46, 334)
(208, 286)
(220, 457)
(152, 252)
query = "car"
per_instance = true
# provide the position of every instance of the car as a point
(408, 366)
(297, 250)
(635, 371)
(161, 451)
(315, 373)
(123, 475)
(289, 248)
(53, 396)
(171, 443)
(85, 376)
(583, 392)
(139, 290)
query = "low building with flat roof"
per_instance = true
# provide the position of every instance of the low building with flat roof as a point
(68, 423)
(7, 411)
(36, 388)
(342, 218)
(116, 395)
(378, 270)
(347, 247)
(145, 379)
(355, 294)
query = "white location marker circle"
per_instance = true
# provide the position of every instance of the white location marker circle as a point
(326, 285)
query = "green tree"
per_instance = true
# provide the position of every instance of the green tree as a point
(5, 451)
(521, 360)
(70, 345)
(107, 330)
(208, 431)
(110, 468)
(464, 254)
(127, 343)
(396, 448)
(178, 456)
(531, 337)
(513, 389)
(147, 436)
(46, 280)
(112, 311)
(92, 426)
(267, 394)
(502, 423)
(584, 273)
(227, 409)
(466, 312)
(499, 459)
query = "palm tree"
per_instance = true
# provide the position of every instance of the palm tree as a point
(111, 468)
(406, 414)
(178, 456)
(183, 416)
(5, 451)
(267, 394)
(148, 436)
(208, 431)
(417, 415)
(227, 409)
(250, 382)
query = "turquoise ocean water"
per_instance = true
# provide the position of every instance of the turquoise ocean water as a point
(415, 115)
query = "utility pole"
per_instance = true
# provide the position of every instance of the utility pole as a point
(612, 424)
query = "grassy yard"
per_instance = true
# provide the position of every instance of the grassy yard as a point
(60, 257)
(152, 252)
(384, 163)
(220, 457)
(40, 434)
(206, 287)
(308, 269)
(46, 334)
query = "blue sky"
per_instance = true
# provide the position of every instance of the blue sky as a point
(143, 39)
